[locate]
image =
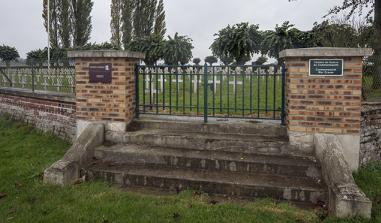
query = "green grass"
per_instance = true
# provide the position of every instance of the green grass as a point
(371, 91)
(25, 153)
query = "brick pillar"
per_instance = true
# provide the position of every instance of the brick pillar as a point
(105, 87)
(328, 100)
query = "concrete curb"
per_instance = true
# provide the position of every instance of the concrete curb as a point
(345, 198)
(67, 170)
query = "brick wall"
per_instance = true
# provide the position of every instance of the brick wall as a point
(113, 102)
(47, 112)
(370, 132)
(323, 104)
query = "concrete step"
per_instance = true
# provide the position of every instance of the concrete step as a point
(243, 127)
(201, 141)
(133, 154)
(213, 182)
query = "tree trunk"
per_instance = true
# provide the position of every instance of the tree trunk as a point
(377, 47)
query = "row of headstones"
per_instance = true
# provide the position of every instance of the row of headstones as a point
(216, 70)
(161, 80)
(23, 80)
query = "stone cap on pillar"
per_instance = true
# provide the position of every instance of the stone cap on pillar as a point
(105, 54)
(326, 52)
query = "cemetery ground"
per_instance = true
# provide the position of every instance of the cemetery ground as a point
(26, 152)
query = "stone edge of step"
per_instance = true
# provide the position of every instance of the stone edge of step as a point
(211, 176)
(301, 160)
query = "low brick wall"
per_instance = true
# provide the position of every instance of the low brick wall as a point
(370, 132)
(49, 112)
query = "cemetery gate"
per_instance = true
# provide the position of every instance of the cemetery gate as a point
(245, 92)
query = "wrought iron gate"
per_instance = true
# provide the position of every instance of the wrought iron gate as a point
(248, 92)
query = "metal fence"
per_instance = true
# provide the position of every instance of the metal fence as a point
(56, 79)
(255, 92)
(372, 79)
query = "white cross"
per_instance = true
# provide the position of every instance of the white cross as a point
(234, 83)
(195, 85)
(215, 82)
(179, 80)
(153, 82)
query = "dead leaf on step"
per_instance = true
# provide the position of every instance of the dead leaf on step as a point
(2, 195)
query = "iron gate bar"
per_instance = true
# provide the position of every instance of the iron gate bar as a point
(213, 92)
(157, 90)
(243, 91)
(251, 92)
(163, 83)
(198, 91)
(177, 90)
(206, 93)
(228, 83)
(137, 91)
(259, 93)
(267, 90)
(190, 90)
(235, 91)
(150, 89)
(274, 94)
(144, 89)
(183, 79)
(170, 91)
(221, 81)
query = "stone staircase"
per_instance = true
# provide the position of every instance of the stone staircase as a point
(245, 160)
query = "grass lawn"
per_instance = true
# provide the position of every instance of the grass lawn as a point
(371, 92)
(25, 153)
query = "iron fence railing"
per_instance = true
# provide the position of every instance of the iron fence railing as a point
(56, 79)
(211, 91)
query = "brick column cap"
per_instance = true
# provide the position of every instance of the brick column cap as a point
(105, 54)
(326, 52)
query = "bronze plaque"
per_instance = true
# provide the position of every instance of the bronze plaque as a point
(100, 73)
(326, 67)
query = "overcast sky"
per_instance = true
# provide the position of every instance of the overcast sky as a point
(21, 24)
